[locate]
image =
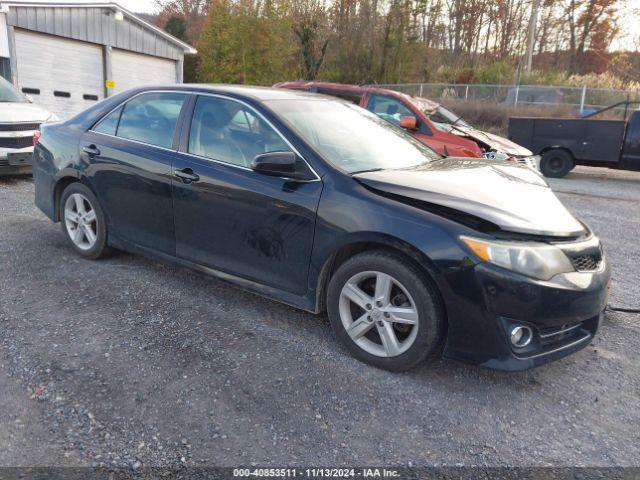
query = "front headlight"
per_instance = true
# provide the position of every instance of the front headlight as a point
(537, 260)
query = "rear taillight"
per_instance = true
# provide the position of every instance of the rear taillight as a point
(36, 137)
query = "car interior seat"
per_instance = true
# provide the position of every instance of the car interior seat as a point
(214, 139)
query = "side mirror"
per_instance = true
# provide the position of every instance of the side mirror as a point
(281, 164)
(409, 122)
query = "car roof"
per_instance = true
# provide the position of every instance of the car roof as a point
(248, 91)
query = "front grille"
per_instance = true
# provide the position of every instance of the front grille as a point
(526, 161)
(16, 142)
(18, 127)
(586, 263)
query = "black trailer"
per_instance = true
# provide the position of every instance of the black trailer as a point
(566, 142)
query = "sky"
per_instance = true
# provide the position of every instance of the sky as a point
(630, 35)
(628, 38)
(139, 6)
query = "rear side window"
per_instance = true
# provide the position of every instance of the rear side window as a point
(151, 118)
(109, 124)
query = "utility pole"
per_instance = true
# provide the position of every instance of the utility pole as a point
(533, 23)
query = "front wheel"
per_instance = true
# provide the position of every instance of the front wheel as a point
(385, 310)
(83, 221)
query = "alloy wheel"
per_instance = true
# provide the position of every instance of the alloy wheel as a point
(556, 164)
(378, 313)
(81, 221)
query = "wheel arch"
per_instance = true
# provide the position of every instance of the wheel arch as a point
(558, 147)
(363, 243)
(66, 178)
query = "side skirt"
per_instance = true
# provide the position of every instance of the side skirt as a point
(304, 302)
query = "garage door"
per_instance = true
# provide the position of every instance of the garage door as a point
(131, 69)
(62, 75)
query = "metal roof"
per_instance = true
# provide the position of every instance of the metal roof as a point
(107, 5)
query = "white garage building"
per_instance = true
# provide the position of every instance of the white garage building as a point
(68, 56)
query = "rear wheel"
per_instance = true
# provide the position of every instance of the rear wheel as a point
(385, 311)
(83, 221)
(556, 163)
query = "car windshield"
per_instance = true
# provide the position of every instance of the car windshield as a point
(444, 119)
(8, 93)
(350, 137)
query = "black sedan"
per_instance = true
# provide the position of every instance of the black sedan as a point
(319, 204)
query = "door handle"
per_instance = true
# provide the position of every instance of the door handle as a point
(187, 175)
(91, 150)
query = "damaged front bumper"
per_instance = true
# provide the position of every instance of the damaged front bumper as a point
(562, 315)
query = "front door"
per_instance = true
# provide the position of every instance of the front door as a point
(229, 217)
(131, 152)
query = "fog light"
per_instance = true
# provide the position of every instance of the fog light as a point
(521, 336)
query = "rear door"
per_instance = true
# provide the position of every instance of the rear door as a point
(130, 153)
(229, 217)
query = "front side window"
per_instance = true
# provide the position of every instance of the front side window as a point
(351, 138)
(388, 108)
(228, 131)
(151, 118)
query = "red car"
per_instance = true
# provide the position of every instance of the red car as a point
(428, 121)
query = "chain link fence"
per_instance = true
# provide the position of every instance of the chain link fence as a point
(583, 99)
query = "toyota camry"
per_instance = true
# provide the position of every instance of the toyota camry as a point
(322, 205)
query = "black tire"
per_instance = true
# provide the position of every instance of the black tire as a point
(556, 163)
(100, 249)
(431, 318)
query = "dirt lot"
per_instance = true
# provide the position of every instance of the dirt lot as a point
(128, 362)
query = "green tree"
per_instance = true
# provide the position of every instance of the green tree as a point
(243, 43)
(312, 55)
(177, 26)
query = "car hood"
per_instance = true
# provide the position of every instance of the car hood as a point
(22, 112)
(513, 197)
(494, 142)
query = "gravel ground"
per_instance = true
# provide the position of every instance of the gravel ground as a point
(127, 362)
